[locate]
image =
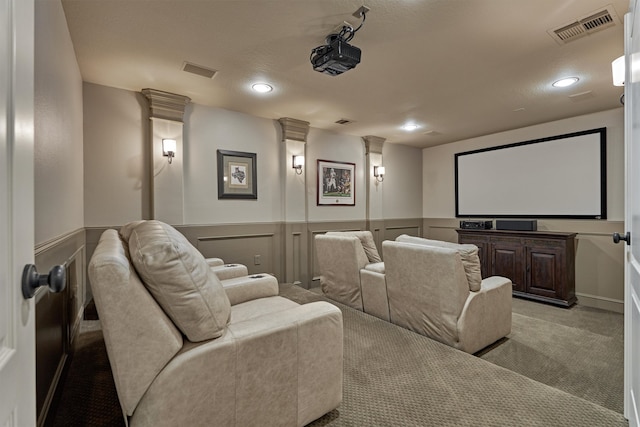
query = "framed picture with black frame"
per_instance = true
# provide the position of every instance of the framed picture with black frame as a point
(237, 175)
(336, 183)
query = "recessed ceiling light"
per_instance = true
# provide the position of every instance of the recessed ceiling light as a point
(262, 87)
(409, 127)
(568, 81)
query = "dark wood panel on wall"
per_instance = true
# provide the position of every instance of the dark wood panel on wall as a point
(51, 345)
(57, 315)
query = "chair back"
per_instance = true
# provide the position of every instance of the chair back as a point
(426, 288)
(340, 258)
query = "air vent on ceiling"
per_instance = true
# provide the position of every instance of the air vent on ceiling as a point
(581, 96)
(199, 70)
(596, 21)
(344, 121)
(432, 133)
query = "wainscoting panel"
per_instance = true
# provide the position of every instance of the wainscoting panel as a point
(58, 315)
(396, 227)
(258, 246)
(295, 254)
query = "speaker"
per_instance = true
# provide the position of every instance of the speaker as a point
(517, 225)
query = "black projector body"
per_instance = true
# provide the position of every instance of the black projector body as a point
(336, 57)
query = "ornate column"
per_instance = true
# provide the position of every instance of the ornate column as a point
(166, 114)
(294, 200)
(373, 157)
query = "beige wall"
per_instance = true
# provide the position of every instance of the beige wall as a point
(599, 263)
(208, 129)
(58, 147)
(116, 182)
(115, 132)
(402, 167)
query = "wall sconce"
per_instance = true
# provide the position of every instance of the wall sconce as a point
(169, 148)
(297, 163)
(378, 172)
(617, 71)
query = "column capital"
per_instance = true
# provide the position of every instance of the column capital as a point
(373, 144)
(294, 129)
(165, 105)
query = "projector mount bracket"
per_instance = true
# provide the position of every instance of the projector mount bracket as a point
(346, 33)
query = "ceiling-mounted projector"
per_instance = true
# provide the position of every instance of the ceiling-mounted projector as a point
(337, 55)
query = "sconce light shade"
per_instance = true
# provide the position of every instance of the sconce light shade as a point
(298, 163)
(169, 148)
(617, 71)
(378, 173)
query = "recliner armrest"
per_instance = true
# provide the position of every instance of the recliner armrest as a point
(214, 262)
(230, 271)
(247, 288)
(231, 379)
(486, 316)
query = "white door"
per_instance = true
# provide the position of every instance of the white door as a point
(632, 215)
(17, 320)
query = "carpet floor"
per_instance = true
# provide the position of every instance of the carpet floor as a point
(394, 377)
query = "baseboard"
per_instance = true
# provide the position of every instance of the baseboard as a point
(603, 303)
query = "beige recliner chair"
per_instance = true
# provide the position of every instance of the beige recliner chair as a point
(186, 350)
(435, 288)
(351, 271)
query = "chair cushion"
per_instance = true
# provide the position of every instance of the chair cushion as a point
(368, 244)
(468, 255)
(179, 278)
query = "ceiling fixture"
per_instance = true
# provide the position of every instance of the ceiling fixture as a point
(567, 81)
(262, 87)
(337, 55)
(410, 127)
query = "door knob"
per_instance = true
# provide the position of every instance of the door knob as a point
(31, 280)
(617, 237)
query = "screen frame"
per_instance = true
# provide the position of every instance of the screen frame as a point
(603, 178)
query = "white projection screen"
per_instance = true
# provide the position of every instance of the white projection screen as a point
(557, 177)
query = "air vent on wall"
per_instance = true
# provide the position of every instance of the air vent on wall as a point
(584, 26)
(199, 70)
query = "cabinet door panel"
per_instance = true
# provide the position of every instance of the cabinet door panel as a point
(506, 261)
(544, 266)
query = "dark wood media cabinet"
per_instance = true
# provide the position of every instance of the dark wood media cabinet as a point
(540, 264)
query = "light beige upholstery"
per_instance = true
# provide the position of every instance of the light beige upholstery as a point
(351, 271)
(275, 362)
(428, 293)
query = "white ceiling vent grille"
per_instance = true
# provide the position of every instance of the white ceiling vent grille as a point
(596, 21)
(199, 70)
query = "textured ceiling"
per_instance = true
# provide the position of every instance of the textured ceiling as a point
(458, 69)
